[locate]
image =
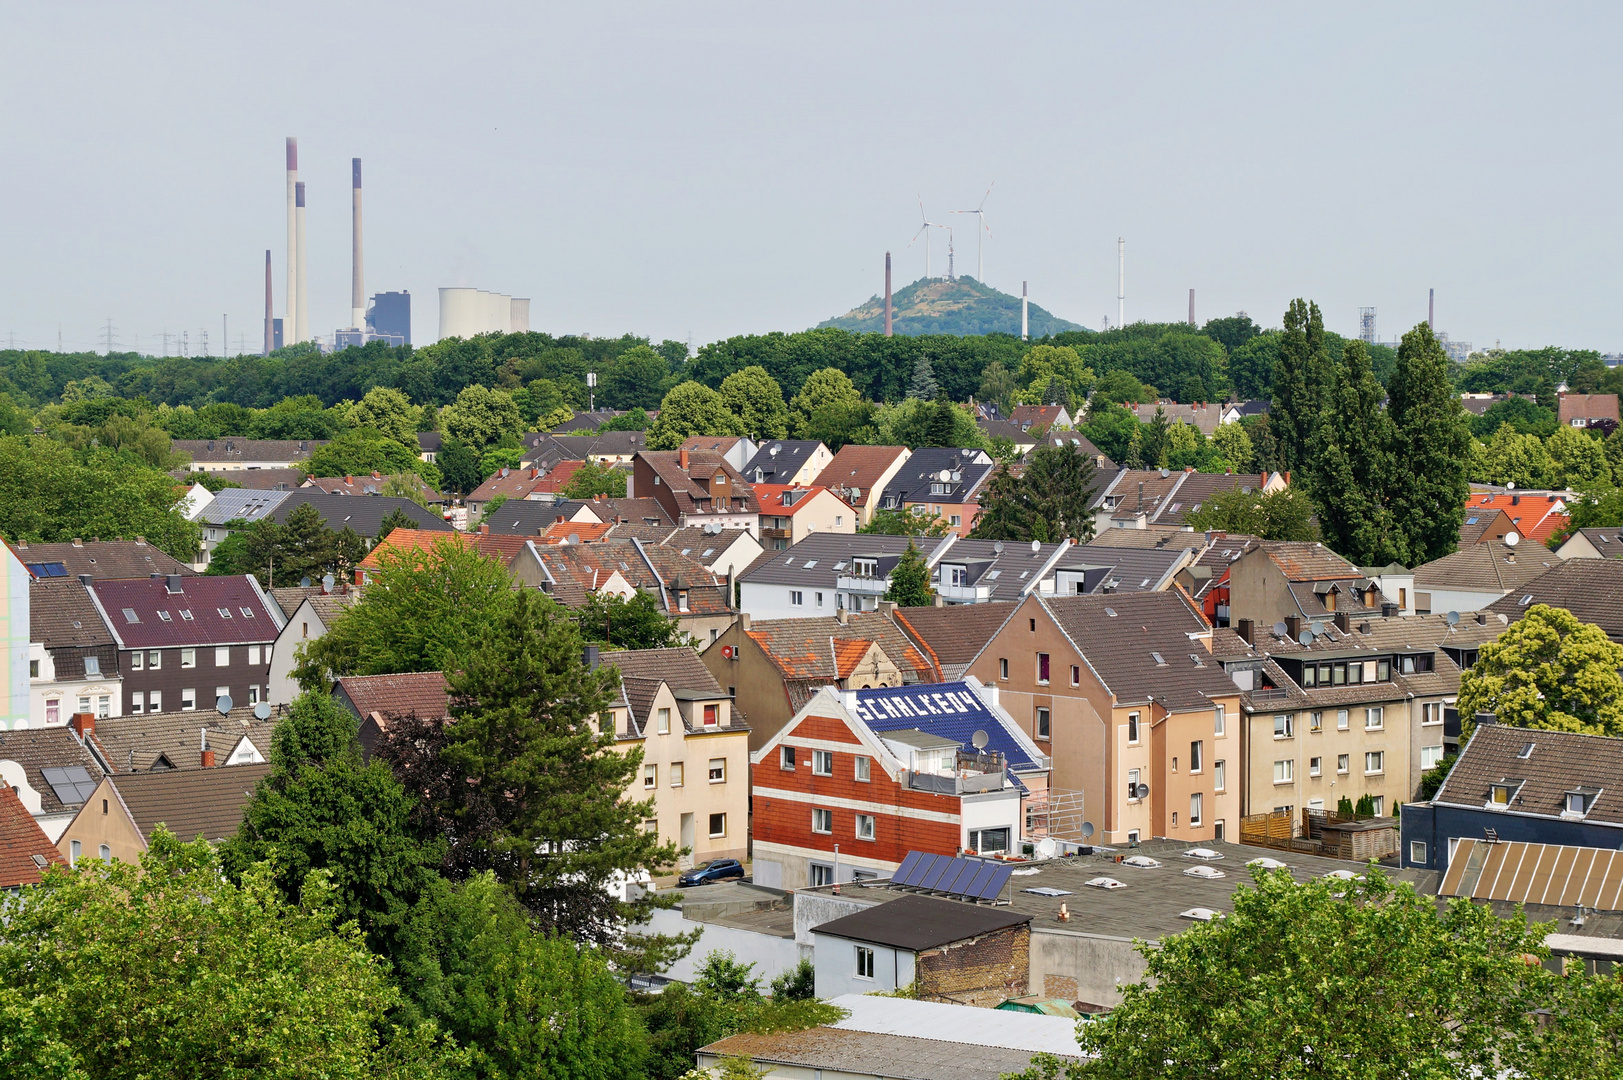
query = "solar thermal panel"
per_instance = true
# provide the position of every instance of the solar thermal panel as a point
(983, 874)
(933, 879)
(959, 884)
(908, 864)
(926, 863)
(994, 888)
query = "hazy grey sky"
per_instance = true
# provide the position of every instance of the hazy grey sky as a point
(713, 169)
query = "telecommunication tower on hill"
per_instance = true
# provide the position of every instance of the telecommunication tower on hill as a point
(1366, 325)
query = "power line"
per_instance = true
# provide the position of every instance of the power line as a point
(108, 334)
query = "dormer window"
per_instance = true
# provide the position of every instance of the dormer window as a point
(1502, 793)
(1578, 802)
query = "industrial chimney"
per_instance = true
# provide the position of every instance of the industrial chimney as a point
(1431, 310)
(887, 294)
(1121, 282)
(270, 316)
(301, 327)
(290, 323)
(1191, 307)
(1025, 322)
(357, 301)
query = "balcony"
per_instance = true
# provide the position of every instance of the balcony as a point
(965, 594)
(863, 586)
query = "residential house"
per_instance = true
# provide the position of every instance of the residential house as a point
(1341, 708)
(189, 642)
(1204, 417)
(966, 954)
(953, 635)
(516, 485)
(53, 770)
(586, 423)
(232, 509)
(790, 514)
(311, 619)
(1282, 579)
(1593, 543)
(738, 450)
(1082, 445)
(153, 742)
(25, 851)
(697, 487)
(797, 462)
(722, 551)
(1110, 568)
(944, 483)
(518, 554)
(1474, 577)
(699, 601)
(376, 700)
(372, 484)
(72, 660)
(1039, 419)
(1592, 589)
(233, 454)
(1235, 411)
(859, 475)
(695, 744)
(1536, 515)
(1206, 579)
(881, 772)
(98, 558)
(534, 518)
(15, 586)
(1491, 523)
(608, 448)
(1121, 691)
(773, 667)
(1139, 498)
(1023, 438)
(428, 445)
(1584, 410)
(118, 820)
(1517, 785)
(268, 479)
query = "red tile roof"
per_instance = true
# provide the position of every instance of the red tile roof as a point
(848, 654)
(503, 546)
(584, 532)
(25, 850)
(860, 468)
(1588, 407)
(771, 497)
(144, 614)
(1537, 517)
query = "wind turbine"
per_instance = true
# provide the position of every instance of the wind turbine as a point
(924, 231)
(980, 218)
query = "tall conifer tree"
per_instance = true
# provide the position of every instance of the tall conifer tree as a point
(1349, 469)
(1433, 448)
(1301, 377)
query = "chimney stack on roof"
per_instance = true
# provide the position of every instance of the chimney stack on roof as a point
(682, 458)
(173, 581)
(83, 724)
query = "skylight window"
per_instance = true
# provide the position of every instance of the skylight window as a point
(1267, 863)
(1528, 599)
(164, 615)
(247, 613)
(186, 614)
(1111, 612)
(1143, 862)
(1200, 914)
(130, 616)
(1105, 883)
(1526, 751)
(225, 612)
(839, 566)
(1210, 873)
(1160, 661)
(1206, 853)
(809, 563)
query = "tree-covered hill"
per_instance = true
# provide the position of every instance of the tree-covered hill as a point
(948, 306)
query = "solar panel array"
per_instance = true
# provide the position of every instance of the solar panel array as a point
(967, 879)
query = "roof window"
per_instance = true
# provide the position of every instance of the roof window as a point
(225, 612)
(1200, 914)
(130, 616)
(247, 613)
(1105, 883)
(1267, 863)
(1205, 853)
(1143, 862)
(186, 614)
(164, 615)
(1210, 873)
(1526, 751)
(1160, 661)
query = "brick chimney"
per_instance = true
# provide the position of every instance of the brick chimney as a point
(82, 723)
(208, 759)
(349, 481)
(484, 530)
(682, 458)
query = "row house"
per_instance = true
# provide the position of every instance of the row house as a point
(942, 483)
(1274, 580)
(858, 778)
(97, 558)
(1475, 576)
(736, 450)
(695, 487)
(790, 514)
(52, 771)
(72, 658)
(233, 454)
(533, 483)
(860, 474)
(796, 462)
(532, 518)
(700, 601)
(1145, 498)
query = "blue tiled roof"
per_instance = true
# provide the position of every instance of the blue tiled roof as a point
(952, 710)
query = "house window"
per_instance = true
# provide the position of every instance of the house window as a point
(1309, 676)
(1338, 675)
(1341, 719)
(989, 841)
(1379, 805)
(1284, 771)
(1374, 762)
(74, 847)
(650, 776)
(104, 706)
(956, 520)
(959, 575)
(1195, 808)
(1431, 713)
(33, 669)
(1417, 851)
(137, 661)
(222, 656)
(104, 853)
(1132, 836)
(92, 666)
(822, 821)
(1197, 754)
(1499, 795)
(1284, 726)
(797, 598)
(1132, 785)
(712, 715)
(663, 716)
(1219, 720)
(718, 770)
(53, 710)
(864, 962)
(1576, 803)
(220, 692)
(822, 762)
(188, 700)
(1003, 668)
(305, 627)
(188, 658)
(1132, 728)
(155, 701)
(864, 826)
(155, 659)
(1430, 756)
(1383, 671)
(1315, 766)
(1218, 829)
(1343, 764)
(1374, 719)
(84, 704)
(682, 600)
(1315, 721)
(821, 874)
(1076, 674)
(786, 758)
(718, 825)
(650, 825)
(676, 774)
(1220, 775)
(1042, 723)
(839, 520)
(137, 702)
(1355, 674)
(865, 568)
(862, 766)
(253, 654)
(819, 599)
(253, 695)
(1042, 668)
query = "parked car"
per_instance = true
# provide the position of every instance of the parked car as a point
(714, 870)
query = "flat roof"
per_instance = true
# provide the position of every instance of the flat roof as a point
(916, 922)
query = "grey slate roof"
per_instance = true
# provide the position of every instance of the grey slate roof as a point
(364, 514)
(37, 749)
(820, 559)
(1491, 566)
(61, 615)
(1128, 569)
(1559, 761)
(866, 1053)
(1120, 634)
(233, 449)
(100, 559)
(913, 482)
(192, 803)
(246, 504)
(779, 460)
(1592, 589)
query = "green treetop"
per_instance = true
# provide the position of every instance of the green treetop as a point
(924, 386)
(1432, 449)
(1548, 670)
(910, 580)
(756, 399)
(825, 388)
(1350, 466)
(390, 413)
(1301, 374)
(481, 416)
(691, 408)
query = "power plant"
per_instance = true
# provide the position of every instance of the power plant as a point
(466, 313)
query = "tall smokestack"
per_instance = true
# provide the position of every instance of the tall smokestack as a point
(290, 323)
(357, 302)
(1431, 311)
(1191, 307)
(270, 315)
(301, 329)
(1025, 322)
(887, 294)
(1121, 282)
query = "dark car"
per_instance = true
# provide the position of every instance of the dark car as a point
(714, 870)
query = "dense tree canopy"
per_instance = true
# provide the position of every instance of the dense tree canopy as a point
(910, 580)
(1548, 670)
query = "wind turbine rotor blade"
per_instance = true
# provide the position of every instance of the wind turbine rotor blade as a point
(922, 230)
(989, 188)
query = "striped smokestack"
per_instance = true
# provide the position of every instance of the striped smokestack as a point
(357, 301)
(301, 330)
(291, 320)
(270, 315)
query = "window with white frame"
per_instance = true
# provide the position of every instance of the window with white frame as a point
(1431, 712)
(1379, 805)
(253, 694)
(188, 658)
(818, 598)
(1197, 755)
(1003, 667)
(253, 654)
(155, 701)
(663, 718)
(1341, 719)
(1343, 763)
(1132, 728)
(1417, 851)
(718, 825)
(864, 962)
(1284, 725)
(1374, 719)
(1042, 722)
(1315, 721)
(188, 700)
(1315, 766)
(861, 765)
(1076, 674)
(797, 598)
(1220, 775)
(1195, 806)
(222, 656)
(650, 776)
(864, 827)
(1132, 785)
(822, 820)
(823, 762)
(1284, 771)
(137, 660)
(786, 758)
(137, 702)
(1374, 762)
(155, 660)
(1219, 720)
(820, 874)
(718, 770)
(1430, 756)
(676, 774)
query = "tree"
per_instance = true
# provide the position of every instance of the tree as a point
(635, 379)
(306, 548)
(1233, 445)
(422, 611)
(1048, 501)
(837, 424)
(459, 466)
(1548, 671)
(633, 419)
(168, 969)
(907, 521)
(388, 412)
(1280, 515)
(1049, 373)
(910, 580)
(924, 386)
(689, 409)
(822, 389)
(1577, 460)
(1233, 331)
(1323, 979)
(916, 423)
(1300, 377)
(361, 451)
(1120, 387)
(1512, 458)
(481, 416)
(1431, 449)
(1350, 466)
(1153, 443)
(593, 479)
(1111, 428)
(756, 399)
(1526, 416)
(637, 623)
(1251, 367)
(799, 983)
(997, 387)
(394, 519)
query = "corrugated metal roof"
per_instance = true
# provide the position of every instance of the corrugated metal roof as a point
(1536, 874)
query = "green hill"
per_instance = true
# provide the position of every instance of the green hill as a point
(941, 306)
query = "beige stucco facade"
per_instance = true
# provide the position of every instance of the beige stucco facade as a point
(102, 821)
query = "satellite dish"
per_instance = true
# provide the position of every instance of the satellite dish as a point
(1317, 627)
(1452, 618)
(1510, 485)
(1512, 539)
(223, 704)
(1143, 791)
(1047, 847)
(1305, 638)
(997, 548)
(1245, 489)
(574, 538)
(1087, 829)
(304, 582)
(1279, 629)
(944, 475)
(1036, 546)
(980, 739)
(262, 710)
(327, 582)
(1165, 473)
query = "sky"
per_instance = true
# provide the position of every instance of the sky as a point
(699, 170)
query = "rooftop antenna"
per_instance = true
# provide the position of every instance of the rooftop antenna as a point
(980, 227)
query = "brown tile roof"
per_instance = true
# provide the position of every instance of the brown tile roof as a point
(858, 469)
(1035, 416)
(1559, 762)
(719, 443)
(1592, 589)
(692, 494)
(1121, 634)
(269, 479)
(191, 802)
(1477, 525)
(1491, 566)
(502, 546)
(226, 610)
(579, 569)
(643, 670)
(575, 532)
(371, 484)
(511, 483)
(631, 511)
(37, 749)
(142, 741)
(1300, 560)
(421, 693)
(61, 615)
(102, 558)
(231, 449)
(1154, 536)
(804, 648)
(25, 850)
(955, 634)
(1588, 407)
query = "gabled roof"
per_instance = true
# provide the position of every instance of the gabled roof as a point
(513, 483)
(1140, 645)
(947, 710)
(207, 610)
(1036, 416)
(1301, 560)
(608, 444)
(61, 615)
(955, 634)
(233, 450)
(1155, 536)
(191, 802)
(1127, 569)
(917, 479)
(1205, 417)
(574, 532)
(98, 558)
(422, 693)
(269, 479)
(241, 504)
(370, 484)
(818, 561)
(915, 923)
(38, 749)
(697, 542)
(25, 850)
(1592, 589)
(574, 570)
(780, 458)
(719, 443)
(1491, 566)
(690, 487)
(1607, 541)
(643, 670)
(805, 648)
(1587, 407)
(365, 516)
(1165, 497)
(1558, 762)
(139, 742)
(638, 511)
(586, 422)
(500, 546)
(1536, 515)
(771, 498)
(1370, 639)
(856, 470)
(1075, 440)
